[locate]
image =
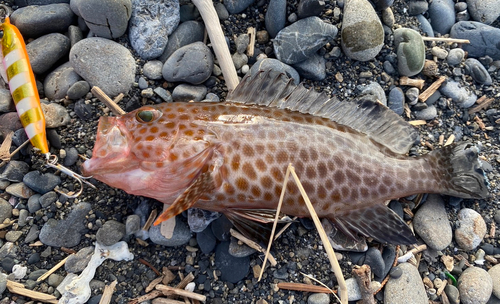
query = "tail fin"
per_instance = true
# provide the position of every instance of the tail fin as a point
(462, 173)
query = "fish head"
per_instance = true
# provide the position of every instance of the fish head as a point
(143, 153)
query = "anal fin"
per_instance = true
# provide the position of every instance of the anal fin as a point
(378, 222)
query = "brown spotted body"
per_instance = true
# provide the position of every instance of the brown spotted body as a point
(228, 157)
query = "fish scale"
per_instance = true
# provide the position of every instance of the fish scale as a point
(231, 157)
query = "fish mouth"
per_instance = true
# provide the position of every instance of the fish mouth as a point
(111, 150)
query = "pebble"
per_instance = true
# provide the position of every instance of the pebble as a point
(83, 110)
(75, 34)
(48, 199)
(373, 258)
(442, 15)
(58, 82)
(275, 17)
(308, 8)
(300, 40)
(105, 18)
(19, 190)
(66, 232)
(54, 280)
(237, 6)
(353, 292)
(430, 218)
(132, 224)
(186, 33)
(192, 63)
(494, 273)
(78, 90)
(13, 236)
(41, 182)
(452, 293)
(410, 50)
(221, 11)
(143, 83)
(412, 96)
(239, 60)
(47, 50)
(10, 121)
(77, 262)
(318, 298)
(152, 69)
(459, 94)
(362, 32)
(475, 286)
(375, 89)
(430, 69)
(14, 171)
(206, 240)
(34, 275)
(34, 203)
(276, 65)
(3, 282)
(164, 94)
(8, 250)
(35, 21)
(150, 25)
(417, 7)
(388, 17)
(484, 11)
(408, 288)
(32, 234)
(181, 235)
(185, 92)
(232, 269)
(5, 210)
(7, 263)
(483, 38)
(313, 68)
(55, 115)
(439, 52)
(383, 4)
(239, 251)
(104, 63)
(425, 26)
(6, 104)
(478, 72)
(110, 233)
(470, 230)
(428, 113)
(455, 56)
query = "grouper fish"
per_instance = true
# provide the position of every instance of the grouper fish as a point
(231, 157)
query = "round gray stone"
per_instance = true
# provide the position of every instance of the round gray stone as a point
(411, 51)
(470, 230)
(494, 273)
(459, 94)
(313, 68)
(442, 15)
(484, 11)
(58, 82)
(186, 33)
(425, 26)
(47, 50)
(455, 56)
(41, 182)
(428, 113)
(5, 210)
(192, 63)
(6, 104)
(475, 286)
(78, 90)
(77, 262)
(237, 6)
(35, 21)
(431, 223)
(152, 69)
(19, 190)
(181, 235)
(318, 298)
(110, 233)
(483, 38)
(478, 72)
(104, 63)
(396, 100)
(408, 288)
(275, 17)
(185, 92)
(299, 41)
(150, 24)
(14, 171)
(362, 32)
(105, 18)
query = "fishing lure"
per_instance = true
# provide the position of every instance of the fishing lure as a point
(16, 71)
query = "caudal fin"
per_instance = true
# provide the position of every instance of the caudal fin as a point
(462, 173)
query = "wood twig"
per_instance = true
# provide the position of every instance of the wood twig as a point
(450, 40)
(431, 89)
(167, 301)
(142, 261)
(253, 245)
(303, 287)
(153, 283)
(418, 83)
(482, 103)
(149, 296)
(108, 293)
(363, 277)
(214, 30)
(107, 101)
(53, 269)
(19, 289)
(167, 290)
(151, 219)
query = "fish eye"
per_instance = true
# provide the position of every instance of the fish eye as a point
(148, 115)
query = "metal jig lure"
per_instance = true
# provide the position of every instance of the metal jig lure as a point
(16, 71)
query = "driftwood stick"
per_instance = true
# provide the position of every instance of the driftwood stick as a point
(19, 289)
(303, 287)
(153, 294)
(251, 45)
(482, 103)
(451, 40)
(53, 269)
(363, 277)
(207, 12)
(108, 293)
(431, 89)
(107, 101)
(418, 83)
(167, 290)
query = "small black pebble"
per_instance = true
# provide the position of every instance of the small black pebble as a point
(396, 272)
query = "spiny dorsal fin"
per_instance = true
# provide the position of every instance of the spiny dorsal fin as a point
(270, 88)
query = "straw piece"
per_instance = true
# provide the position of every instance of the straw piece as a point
(19, 289)
(167, 290)
(252, 244)
(451, 40)
(107, 101)
(108, 293)
(431, 89)
(53, 269)
(303, 287)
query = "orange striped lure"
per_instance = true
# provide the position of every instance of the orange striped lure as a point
(16, 71)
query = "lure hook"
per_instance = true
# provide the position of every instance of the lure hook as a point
(52, 163)
(5, 11)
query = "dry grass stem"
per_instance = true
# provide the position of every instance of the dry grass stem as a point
(303, 287)
(108, 293)
(19, 289)
(167, 290)
(324, 238)
(418, 83)
(251, 45)
(278, 210)
(253, 245)
(450, 40)
(431, 89)
(417, 122)
(214, 30)
(107, 101)
(53, 269)
(322, 284)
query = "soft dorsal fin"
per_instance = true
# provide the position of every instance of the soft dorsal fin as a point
(270, 88)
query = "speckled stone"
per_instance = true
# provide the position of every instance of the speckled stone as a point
(408, 288)
(494, 273)
(431, 223)
(471, 229)
(475, 286)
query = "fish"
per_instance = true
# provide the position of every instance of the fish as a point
(16, 71)
(231, 157)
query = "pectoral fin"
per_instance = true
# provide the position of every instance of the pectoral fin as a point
(201, 185)
(378, 222)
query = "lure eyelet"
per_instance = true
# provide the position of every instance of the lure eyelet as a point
(147, 115)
